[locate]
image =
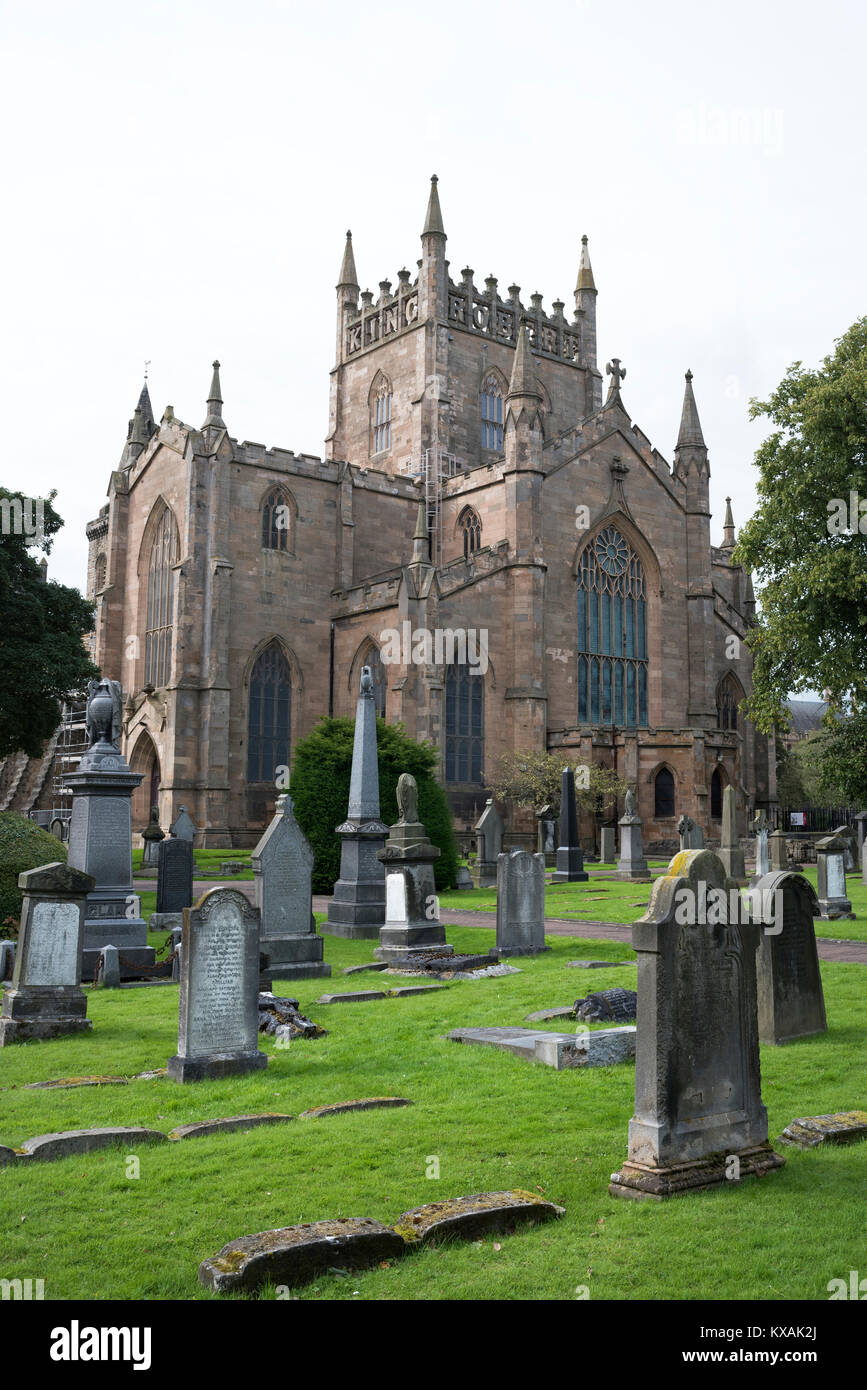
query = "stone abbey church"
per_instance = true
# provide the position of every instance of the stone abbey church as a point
(475, 482)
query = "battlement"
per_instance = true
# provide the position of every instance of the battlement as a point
(550, 335)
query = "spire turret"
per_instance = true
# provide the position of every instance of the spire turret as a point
(146, 409)
(585, 271)
(421, 539)
(728, 527)
(690, 435)
(215, 402)
(524, 382)
(348, 278)
(433, 222)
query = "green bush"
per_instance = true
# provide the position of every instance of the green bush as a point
(319, 788)
(23, 845)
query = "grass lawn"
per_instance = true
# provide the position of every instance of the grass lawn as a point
(600, 901)
(492, 1120)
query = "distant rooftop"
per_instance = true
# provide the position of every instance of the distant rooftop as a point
(806, 715)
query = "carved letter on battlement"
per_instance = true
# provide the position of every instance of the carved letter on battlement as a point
(504, 324)
(411, 309)
(390, 324)
(481, 315)
(457, 308)
(354, 339)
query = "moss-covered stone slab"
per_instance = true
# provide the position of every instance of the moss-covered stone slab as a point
(372, 1103)
(85, 1141)
(150, 1075)
(596, 964)
(7, 1155)
(843, 1127)
(294, 1255)
(359, 996)
(360, 969)
(468, 1217)
(68, 1083)
(227, 1125)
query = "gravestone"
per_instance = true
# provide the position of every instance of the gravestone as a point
(685, 827)
(489, 840)
(152, 836)
(790, 999)
(831, 878)
(7, 960)
(183, 827)
(174, 875)
(56, 828)
(46, 999)
(632, 863)
(730, 851)
(608, 846)
(521, 904)
(760, 827)
(698, 1104)
(863, 863)
(357, 908)
(547, 843)
(218, 1026)
(100, 837)
(850, 839)
(109, 971)
(777, 851)
(570, 858)
(465, 880)
(412, 926)
(610, 1005)
(283, 871)
(860, 820)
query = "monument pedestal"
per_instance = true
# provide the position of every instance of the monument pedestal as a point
(296, 957)
(357, 909)
(484, 874)
(644, 1182)
(185, 1069)
(410, 891)
(632, 863)
(37, 1012)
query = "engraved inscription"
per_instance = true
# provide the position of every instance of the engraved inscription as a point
(52, 945)
(220, 1019)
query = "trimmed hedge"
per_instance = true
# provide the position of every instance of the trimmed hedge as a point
(23, 845)
(319, 787)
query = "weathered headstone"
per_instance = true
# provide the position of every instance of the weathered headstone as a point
(760, 827)
(570, 858)
(357, 908)
(465, 879)
(831, 878)
(219, 989)
(100, 837)
(864, 863)
(46, 999)
(547, 843)
(521, 903)
(489, 839)
(849, 837)
(860, 821)
(56, 827)
(632, 863)
(790, 999)
(283, 870)
(152, 836)
(109, 971)
(412, 925)
(174, 875)
(7, 960)
(608, 837)
(183, 827)
(730, 851)
(699, 1119)
(685, 827)
(778, 853)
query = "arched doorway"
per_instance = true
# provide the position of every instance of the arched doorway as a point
(144, 759)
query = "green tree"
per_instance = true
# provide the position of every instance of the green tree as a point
(319, 787)
(807, 541)
(42, 624)
(533, 779)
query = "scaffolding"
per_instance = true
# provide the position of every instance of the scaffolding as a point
(71, 745)
(434, 466)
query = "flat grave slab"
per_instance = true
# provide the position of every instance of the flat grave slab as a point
(296, 1254)
(84, 1141)
(226, 1126)
(343, 1107)
(601, 1047)
(842, 1127)
(363, 995)
(595, 964)
(470, 1217)
(372, 965)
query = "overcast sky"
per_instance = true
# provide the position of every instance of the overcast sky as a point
(178, 179)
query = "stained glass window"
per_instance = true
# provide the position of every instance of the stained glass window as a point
(729, 696)
(270, 715)
(663, 794)
(276, 521)
(382, 417)
(492, 414)
(471, 527)
(465, 725)
(160, 602)
(612, 634)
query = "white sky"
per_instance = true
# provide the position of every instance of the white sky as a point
(178, 179)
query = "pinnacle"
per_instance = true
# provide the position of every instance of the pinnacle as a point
(433, 222)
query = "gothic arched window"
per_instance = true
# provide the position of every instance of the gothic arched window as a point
(270, 715)
(729, 696)
(663, 794)
(276, 521)
(492, 413)
(373, 659)
(160, 601)
(99, 574)
(381, 416)
(716, 795)
(612, 634)
(465, 725)
(471, 526)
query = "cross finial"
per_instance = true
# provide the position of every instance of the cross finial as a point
(617, 373)
(688, 374)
